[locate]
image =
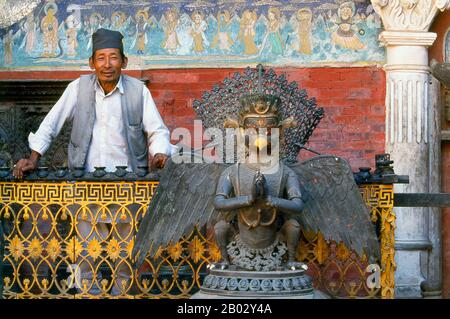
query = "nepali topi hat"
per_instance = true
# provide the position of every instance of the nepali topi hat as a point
(107, 39)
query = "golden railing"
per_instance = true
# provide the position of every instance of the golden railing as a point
(58, 246)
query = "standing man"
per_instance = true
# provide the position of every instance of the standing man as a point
(115, 123)
(112, 113)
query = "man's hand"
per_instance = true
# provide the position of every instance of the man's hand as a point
(159, 160)
(26, 164)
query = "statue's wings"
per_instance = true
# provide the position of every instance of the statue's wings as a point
(184, 198)
(333, 204)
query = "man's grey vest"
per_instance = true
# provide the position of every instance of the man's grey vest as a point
(84, 117)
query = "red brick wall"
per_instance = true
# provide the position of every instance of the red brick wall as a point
(353, 99)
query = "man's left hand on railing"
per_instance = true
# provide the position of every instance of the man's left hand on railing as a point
(26, 164)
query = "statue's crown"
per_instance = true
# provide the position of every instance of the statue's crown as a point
(259, 105)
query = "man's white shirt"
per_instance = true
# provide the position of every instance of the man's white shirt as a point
(108, 147)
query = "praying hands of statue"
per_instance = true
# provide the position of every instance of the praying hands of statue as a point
(159, 160)
(261, 197)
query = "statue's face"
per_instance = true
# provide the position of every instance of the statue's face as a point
(259, 130)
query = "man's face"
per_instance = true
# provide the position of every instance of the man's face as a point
(108, 64)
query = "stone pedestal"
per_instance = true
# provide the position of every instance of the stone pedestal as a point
(316, 294)
(241, 284)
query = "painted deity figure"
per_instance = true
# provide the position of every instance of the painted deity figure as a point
(86, 26)
(95, 23)
(49, 27)
(198, 28)
(273, 40)
(29, 27)
(171, 42)
(247, 32)
(303, 30)
(344, 35)
(71, 34)
(141, 31)
(223, 38)
(117, 20)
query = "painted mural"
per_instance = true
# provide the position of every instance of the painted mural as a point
(195, 33)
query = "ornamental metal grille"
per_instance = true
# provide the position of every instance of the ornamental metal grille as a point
(73, 240)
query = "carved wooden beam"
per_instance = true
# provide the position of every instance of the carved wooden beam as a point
(31, 92)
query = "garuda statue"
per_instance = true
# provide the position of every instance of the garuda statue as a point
(259, 207)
